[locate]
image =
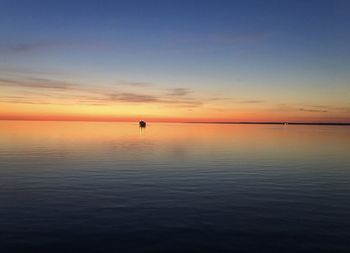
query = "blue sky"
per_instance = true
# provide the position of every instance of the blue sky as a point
(294, 53)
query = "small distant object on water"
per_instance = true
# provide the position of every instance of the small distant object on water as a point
(142, 123)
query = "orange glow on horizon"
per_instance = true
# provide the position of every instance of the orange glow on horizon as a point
(153, 112)
(101, 118)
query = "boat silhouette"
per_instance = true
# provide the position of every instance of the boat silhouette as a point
(142, 123)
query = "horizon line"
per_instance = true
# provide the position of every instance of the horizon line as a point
(194, 122)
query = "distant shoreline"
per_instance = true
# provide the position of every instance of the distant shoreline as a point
(189, 122)
(273, 123)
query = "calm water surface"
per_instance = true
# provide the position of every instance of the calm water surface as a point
(109, 187)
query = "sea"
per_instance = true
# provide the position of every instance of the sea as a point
(173, 187)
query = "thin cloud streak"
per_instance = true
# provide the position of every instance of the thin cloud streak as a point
(37, 83)
(177, 92)
(133, 84)
(133, 98)
(251, 101)
(311, 110)
(31, 46)
(187, 41)
(146, 98)
(37, 46)
(90, 95)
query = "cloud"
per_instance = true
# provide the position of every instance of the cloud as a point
(251, 101)
(34, 46)
(25, 102)
(320, 108)
(179, 92)
(134, 84)
(41, 83)
(185, 103)
(343, 109)
(8, 70)
(238, 38)
(209, 41)
(37, 90)
(28, 47)
(130, 97)
(133, 98)
(312, 110)
(315, 106)
(8, 82)
(220, 99)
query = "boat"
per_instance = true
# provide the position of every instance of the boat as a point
(142, 123)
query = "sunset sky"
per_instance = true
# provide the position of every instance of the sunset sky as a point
(175, 60)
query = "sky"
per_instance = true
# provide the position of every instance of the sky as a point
(175, 60)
